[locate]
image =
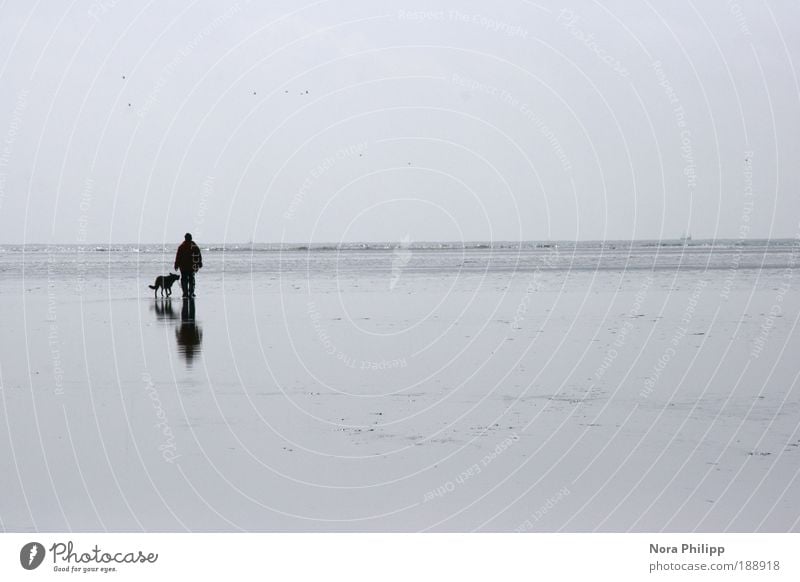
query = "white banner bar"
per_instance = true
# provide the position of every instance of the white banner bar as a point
(401, 557)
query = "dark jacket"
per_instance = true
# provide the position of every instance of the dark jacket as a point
(188, 257)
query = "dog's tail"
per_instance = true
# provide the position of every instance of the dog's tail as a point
(152, 286)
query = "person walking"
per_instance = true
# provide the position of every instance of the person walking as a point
(188, 260)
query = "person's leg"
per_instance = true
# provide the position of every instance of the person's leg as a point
(185, 282)
(191, 284)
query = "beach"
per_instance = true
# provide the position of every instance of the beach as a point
(548, 386)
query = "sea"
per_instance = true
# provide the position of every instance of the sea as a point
(369, 258)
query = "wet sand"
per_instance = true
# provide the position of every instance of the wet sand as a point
(543, 401)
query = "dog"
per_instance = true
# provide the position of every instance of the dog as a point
(165, 282)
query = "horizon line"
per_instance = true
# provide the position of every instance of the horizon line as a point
(633, 240)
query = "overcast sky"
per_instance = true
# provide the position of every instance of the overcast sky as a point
(371, 120)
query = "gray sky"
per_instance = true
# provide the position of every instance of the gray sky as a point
(373, 120)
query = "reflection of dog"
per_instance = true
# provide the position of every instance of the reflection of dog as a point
(163, 309)
(165, 283)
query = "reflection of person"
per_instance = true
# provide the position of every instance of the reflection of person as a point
(188, 260)
(189, 334)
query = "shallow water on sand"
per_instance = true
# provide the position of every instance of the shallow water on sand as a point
(597, 386)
